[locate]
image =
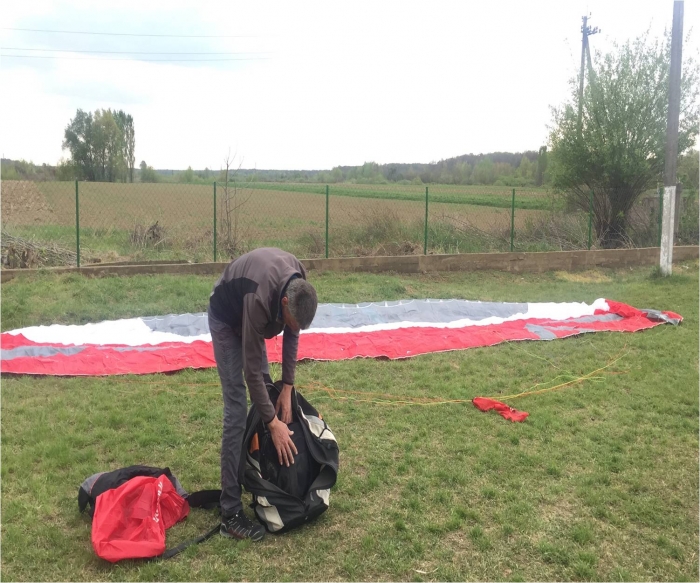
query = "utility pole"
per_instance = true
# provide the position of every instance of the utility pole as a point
(674, 106)
(586, 31)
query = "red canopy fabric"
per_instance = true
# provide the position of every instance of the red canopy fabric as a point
(484, 404)
(390, 330)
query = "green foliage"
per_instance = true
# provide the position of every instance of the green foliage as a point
(187, 176)
(125, 123)
(65, 170)
(101, 145)
(526, 170)
(505, 170)
(618, 147)
(148, 174)
(23, 170)
(688, 228)
(484, 172)
(688, 171)
(107, 146)
(9, 171)
(541, 170)
(207, 175)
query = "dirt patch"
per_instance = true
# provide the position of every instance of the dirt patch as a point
(24, 204)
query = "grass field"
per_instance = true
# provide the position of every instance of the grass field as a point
(473, 195)
(599, 483)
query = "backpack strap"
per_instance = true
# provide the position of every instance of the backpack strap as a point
(206, 499)
(193, 541)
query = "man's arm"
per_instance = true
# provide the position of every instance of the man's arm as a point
(254, 319)
(290, 345)
(253, 341)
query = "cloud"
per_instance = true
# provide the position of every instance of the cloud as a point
(341, 83)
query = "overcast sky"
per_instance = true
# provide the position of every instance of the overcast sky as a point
(305, 85)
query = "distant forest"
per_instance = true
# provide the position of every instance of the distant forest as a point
(499, 168)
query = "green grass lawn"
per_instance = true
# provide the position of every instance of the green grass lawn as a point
(599, 483)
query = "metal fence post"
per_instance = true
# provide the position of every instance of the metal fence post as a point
(661, 212)
(327, 201)
(590, 219)
(215, 221)
(77, 225)
(425, 243)
(512, 221)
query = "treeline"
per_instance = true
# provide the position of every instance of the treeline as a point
(23, 170)
(498, 168)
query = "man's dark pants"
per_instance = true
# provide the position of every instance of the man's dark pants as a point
(228, 351)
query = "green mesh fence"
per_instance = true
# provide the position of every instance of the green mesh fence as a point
(200, 222)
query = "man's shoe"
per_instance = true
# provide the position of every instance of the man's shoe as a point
(239, 526)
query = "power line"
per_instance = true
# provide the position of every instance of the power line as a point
(122, 52)
(139, 59)
(127, 33)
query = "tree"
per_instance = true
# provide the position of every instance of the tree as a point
(234, 199)
(101, 145)
(541, 170)
(128, 143)
(186, 176)
(148, 174)
(526, 170)
(618, 150)
(484, 172)
(108, 146)
(462, 173)
(65, 170)
(78, 140)
(688, 171)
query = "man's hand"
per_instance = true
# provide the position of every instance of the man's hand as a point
(281, 437)
(284, 404)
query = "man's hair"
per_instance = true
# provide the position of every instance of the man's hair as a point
(302, 301)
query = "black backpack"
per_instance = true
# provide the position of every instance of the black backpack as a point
(284, 498)
(99, 483)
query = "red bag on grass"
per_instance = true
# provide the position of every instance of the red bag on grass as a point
(130, 521)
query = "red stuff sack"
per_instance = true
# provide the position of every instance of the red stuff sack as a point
(130, 521)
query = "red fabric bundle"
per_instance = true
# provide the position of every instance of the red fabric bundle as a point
(484, 404)
(130, 521)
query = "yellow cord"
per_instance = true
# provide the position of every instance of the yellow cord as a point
(586, 377)
(387, 399)
(392, 400)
